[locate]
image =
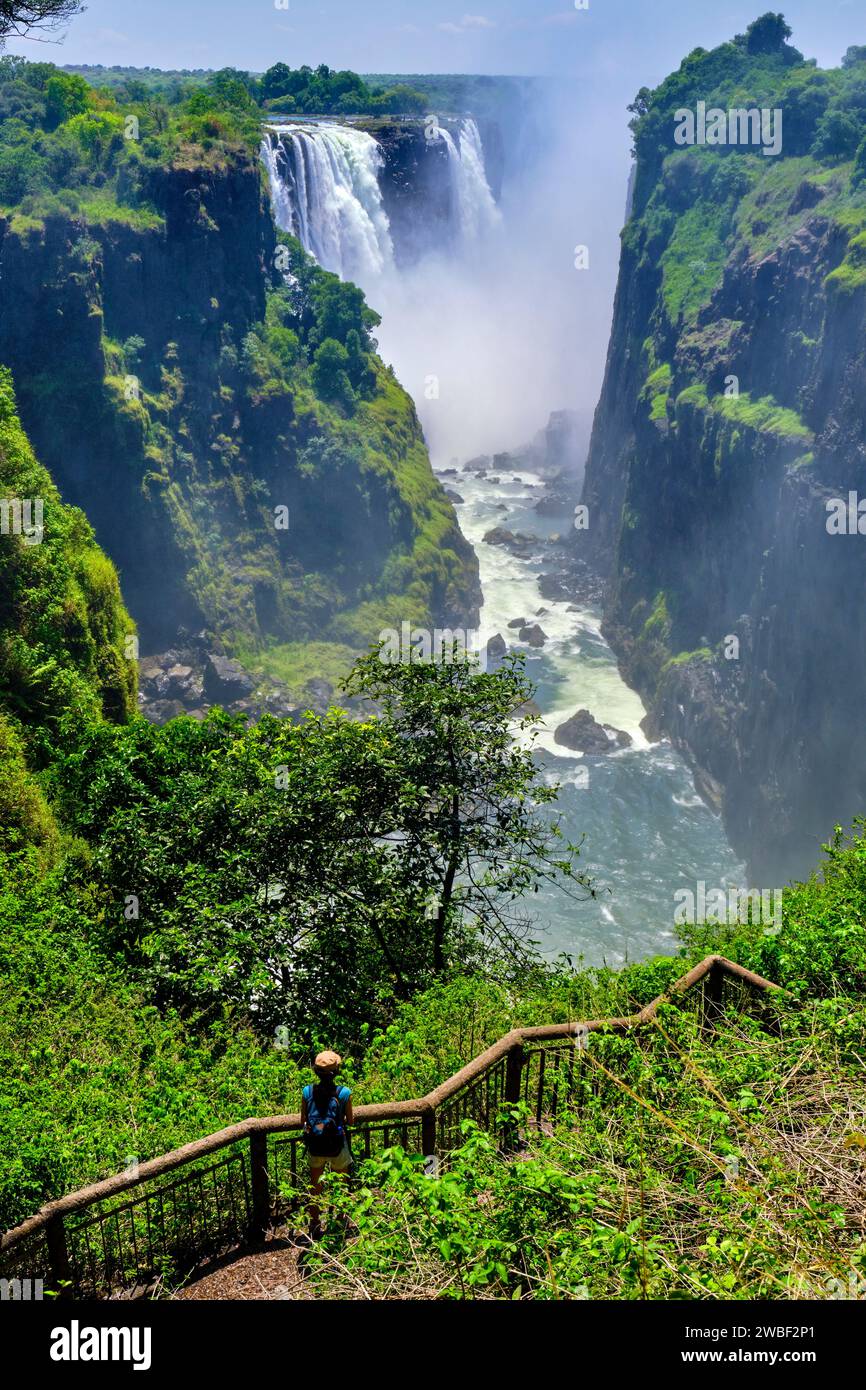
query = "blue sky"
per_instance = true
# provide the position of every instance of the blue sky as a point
(621, 44)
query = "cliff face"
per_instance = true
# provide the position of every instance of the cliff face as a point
(733, 410)
(164, 360)
(66, 641)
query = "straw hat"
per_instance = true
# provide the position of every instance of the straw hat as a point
(327, 1061)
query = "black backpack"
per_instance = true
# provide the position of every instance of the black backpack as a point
(325, 1133)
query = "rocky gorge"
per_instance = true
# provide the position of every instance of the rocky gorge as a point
(733, 413)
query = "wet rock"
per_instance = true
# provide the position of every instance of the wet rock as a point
(496, 647)
(533, 635)
(498, 535)
(453, 496)
(515, 541)
(160, 711)
(225, 680)
(553, 586)
(517, 622)
(583, 734)
(551, 506)
(320, 693)
(479, 464)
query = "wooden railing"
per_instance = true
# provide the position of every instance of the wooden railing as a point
(97, 1241)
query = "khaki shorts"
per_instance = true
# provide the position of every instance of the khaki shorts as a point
(340, 1163)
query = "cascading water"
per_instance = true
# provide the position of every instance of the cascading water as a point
(475, 207)
(325, 189)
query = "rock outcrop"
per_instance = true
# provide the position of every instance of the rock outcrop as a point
(733, 412)
(206, 461)
(583, 734)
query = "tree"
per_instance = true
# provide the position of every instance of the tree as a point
(472, 838)
(22, 17)
(314, 874)
(768, 34)
(359, 367)
(331, 375)
(838, 135)
(338, 307)
(66, 95)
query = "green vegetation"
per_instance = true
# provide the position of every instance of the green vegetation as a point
(765, 414)
(187, 911)
(213, 885)
(269, 373)
(851, 274)
(367, 94)
(694, 395)
(320, 91)
(694, 205)
(656, 388)
(63, 627)
(693, 1164)
(324, 92)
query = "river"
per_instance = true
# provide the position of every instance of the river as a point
(481, 334)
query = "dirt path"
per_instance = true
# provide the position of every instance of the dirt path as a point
(272, 1270)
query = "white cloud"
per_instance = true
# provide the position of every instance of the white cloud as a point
(110, 36)
(469, 21)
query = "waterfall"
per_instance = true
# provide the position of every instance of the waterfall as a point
(475, 207)
(325, 190)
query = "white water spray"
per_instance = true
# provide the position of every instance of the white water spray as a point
(474, 205)
(325, 190)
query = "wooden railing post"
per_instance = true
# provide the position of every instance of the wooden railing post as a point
(712, 1000)
(260, 1194)
(58, 1257)
(513, 1074)
(428, 1140)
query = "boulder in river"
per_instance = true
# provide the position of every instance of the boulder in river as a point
(517, 622)
(496, 647)
(533, 635)
(583, 734)
(498, 535)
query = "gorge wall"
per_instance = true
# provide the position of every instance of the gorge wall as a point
(164, 351)
(733, 412)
